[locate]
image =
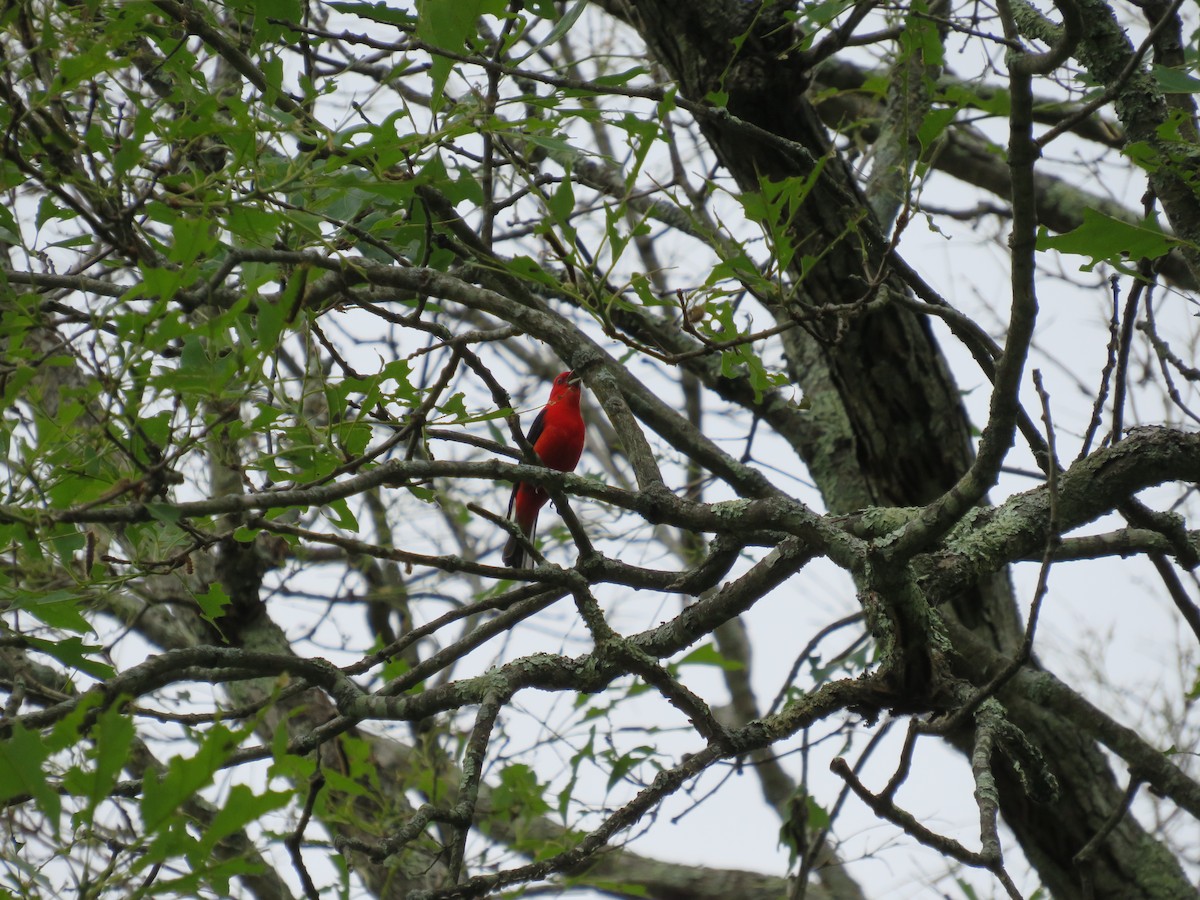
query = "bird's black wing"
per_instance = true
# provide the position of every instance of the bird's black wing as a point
(535, 432)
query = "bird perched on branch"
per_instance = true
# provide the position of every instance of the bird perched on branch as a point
(557, 438)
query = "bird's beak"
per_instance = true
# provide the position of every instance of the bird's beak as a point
(575, 378)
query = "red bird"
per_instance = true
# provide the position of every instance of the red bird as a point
(557, 439)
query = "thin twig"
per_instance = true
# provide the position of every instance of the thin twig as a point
(1088, 109)
(886, 809)
(1110, 363)
(1186, 606)
(906, 756)
(1167, 360)
(1122, 369)
(1084, 856)
(807, 652)
(293, 841)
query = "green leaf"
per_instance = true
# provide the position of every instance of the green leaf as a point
(561, 204)
(66, 732)
(272, 70)
(49, 211)
(170, 838)
(286, 10)
(737, 268)
(618, 79)
(338, 783)
(819, 14)
(111, 737)
(487, 416)
(212, 603)
(528, 269)
(818, 817)
(586, 752)
(998, 102)
(58, 609)
(163, 795)
(72, 652)
(244, 535)
(933, 125)
(242, 807)
(447, 24)
(21, 775)
(194, 238)
(376, 12)
(164, 512)
(286, 765)
(338, 512)
(921, 38)
(708, 655)
(156, 428)
(353, 437)
(83, 65)
(558, 32)
(10, 231)
(200, 372)
(625, 763)
(1143, 155)
(1173, 81)
(156, 284)
(643, 135)
(555, 145)
(455, 407)
(252, 225)
(1102, 238)
(519, 793)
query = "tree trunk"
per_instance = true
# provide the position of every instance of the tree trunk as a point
(887, 426)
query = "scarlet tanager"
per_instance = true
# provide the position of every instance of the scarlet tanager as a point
(557, 439)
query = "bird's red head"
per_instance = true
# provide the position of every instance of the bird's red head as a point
(564, 382)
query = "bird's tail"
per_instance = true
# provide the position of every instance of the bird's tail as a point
(514, 553)
(515, 556)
